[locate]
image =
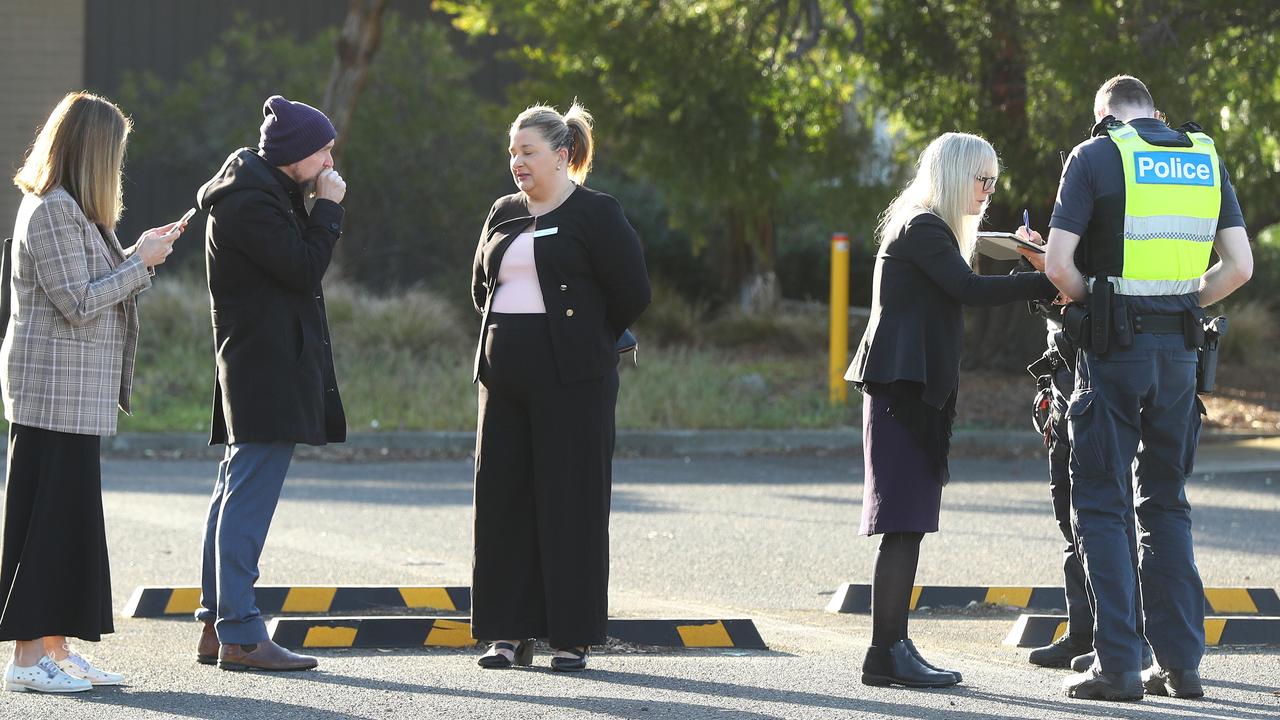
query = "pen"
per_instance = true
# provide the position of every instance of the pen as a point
(1026, 220)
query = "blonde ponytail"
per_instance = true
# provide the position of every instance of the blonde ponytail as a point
(571, 131)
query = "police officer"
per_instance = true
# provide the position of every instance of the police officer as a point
(1139, 207)
(1055, 378)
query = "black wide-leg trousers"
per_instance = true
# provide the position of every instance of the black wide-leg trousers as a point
(544, 454)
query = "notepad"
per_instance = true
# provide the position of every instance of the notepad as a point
(1004, 245)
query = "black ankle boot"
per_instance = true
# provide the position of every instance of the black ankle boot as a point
(912, 647)
(896, 665)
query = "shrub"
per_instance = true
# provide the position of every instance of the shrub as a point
(1251, 335)
(671, 319)
(778, 331)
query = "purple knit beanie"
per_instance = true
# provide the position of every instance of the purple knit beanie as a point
(292, 131)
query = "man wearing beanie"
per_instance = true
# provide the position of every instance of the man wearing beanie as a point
(274, 384)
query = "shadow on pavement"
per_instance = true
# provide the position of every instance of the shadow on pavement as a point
(627, 707)
(1150, 707)
(195, 705)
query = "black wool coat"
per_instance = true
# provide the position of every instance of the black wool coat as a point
(590, 268)
(916, 328)
(266, 256)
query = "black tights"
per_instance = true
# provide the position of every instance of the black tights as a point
(895, 575)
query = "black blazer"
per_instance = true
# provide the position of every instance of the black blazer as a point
(266, 256)
(590, 268)
(916, 327)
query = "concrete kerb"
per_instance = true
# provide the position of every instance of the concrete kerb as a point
(636, 442)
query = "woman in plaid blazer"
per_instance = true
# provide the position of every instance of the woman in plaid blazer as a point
(65, 366)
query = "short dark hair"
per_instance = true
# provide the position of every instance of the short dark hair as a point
(1123, 91)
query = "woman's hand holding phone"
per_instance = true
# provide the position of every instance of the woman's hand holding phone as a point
(156, 244)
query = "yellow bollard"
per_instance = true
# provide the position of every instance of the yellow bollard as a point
(838, 391)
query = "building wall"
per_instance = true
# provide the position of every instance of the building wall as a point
(42, 56)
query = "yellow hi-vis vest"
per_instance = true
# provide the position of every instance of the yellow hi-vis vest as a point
(1171, 202)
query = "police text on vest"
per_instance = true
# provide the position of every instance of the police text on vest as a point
(1172, 168)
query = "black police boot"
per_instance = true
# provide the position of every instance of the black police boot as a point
(1081, 663)
(912, 647)
(1174, 683)
(897, 666)
(1098, 685)
(1060, 653)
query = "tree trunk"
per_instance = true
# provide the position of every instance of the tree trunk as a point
(1006, 336)
(361, 33)
(752, 255)
(760, 291)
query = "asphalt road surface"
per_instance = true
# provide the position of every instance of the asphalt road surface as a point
(766, 537)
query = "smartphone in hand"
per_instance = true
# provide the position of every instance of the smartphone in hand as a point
(187, 216)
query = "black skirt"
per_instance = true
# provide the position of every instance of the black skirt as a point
(905, 443)
(54, 575)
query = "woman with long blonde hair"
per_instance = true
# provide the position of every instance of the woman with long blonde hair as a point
(65, 366)
(908, 367)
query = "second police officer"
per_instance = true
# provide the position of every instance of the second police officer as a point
(1138, 210)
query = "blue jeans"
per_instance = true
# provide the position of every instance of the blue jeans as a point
(1137, 408)
(244, 500)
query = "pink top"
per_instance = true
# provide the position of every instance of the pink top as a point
(518, 288)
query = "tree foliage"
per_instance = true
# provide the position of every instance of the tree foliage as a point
(423, 157)
(723, 105)
(1023, 74)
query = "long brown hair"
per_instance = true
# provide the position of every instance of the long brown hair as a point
(81, 149)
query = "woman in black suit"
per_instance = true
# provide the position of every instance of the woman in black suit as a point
(908, 366)
(558, 276)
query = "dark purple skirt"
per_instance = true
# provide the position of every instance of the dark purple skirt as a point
(903, 487)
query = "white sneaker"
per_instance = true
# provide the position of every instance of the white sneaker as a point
(44, 676)
(77, 667)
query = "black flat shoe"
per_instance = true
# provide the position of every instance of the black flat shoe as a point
(573, 664)
(898, 666)
(912, 647)
(493, 659)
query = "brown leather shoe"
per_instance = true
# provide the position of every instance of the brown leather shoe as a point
(207, 650)
(265, 655)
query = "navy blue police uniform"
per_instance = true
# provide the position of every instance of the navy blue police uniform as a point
(1133, 405)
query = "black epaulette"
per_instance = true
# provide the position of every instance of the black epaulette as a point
(1104, 125)
(1190, 127)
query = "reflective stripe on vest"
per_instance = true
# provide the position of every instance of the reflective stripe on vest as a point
(1164, 253)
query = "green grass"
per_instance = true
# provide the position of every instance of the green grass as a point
(404, 363)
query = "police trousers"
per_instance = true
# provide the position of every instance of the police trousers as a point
(1137, 408)
(1079, 611)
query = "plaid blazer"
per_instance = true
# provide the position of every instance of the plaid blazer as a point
(67, 360)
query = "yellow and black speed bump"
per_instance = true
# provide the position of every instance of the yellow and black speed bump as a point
(853, 598)
(411, 632)
(371, 632)
(167, 602)
(1040, 630)
(688, 633)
